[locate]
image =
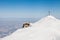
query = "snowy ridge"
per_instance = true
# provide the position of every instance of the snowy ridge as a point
(48, 21)
(47, 28)
(47, 18)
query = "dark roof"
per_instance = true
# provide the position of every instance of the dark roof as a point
(26, 24)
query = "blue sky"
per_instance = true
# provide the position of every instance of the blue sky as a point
(29, 8)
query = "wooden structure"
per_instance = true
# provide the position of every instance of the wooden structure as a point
(25, 25)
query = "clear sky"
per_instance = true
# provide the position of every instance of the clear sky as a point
(29, 8)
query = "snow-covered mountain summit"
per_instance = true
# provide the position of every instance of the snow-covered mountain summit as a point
(47, 21)
(48, 28)
(47, 18)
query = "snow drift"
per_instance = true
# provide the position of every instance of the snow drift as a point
(48, 28)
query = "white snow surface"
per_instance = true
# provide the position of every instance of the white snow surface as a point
(48, 28)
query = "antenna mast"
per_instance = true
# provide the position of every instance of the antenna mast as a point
(49, 13)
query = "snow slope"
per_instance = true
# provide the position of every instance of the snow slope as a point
(0, 38)
(48, 28)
